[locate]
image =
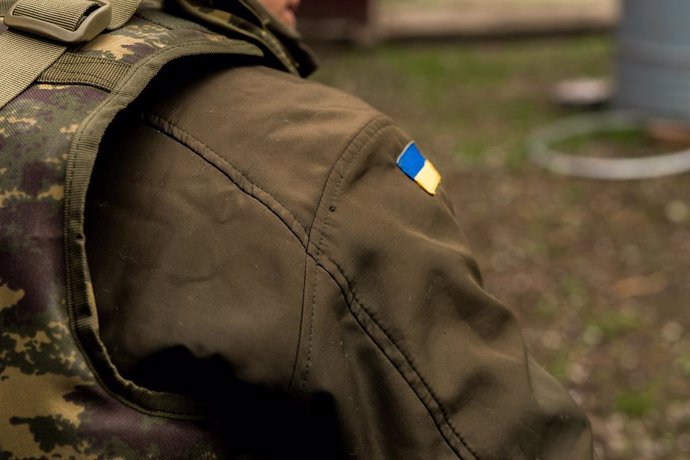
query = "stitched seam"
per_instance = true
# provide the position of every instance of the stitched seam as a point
(335, 196)
(307, 368)
(70, 58)
(336, 191)
(84, 74)
(179, 134)
(370, 315)
(346, 150)
(146, 17)
(117, 390)
(93, 77)
(295, 360)
(335, 164)
(172, 130)
(103, 63)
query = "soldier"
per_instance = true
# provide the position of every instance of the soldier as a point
(299, 241)
(278, 273)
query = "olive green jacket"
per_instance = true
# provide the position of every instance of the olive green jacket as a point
(253, 244)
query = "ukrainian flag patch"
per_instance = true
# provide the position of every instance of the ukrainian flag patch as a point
(419, 169)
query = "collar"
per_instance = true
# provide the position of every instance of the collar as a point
(250, 20)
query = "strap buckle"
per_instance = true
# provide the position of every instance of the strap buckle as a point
(94, 22)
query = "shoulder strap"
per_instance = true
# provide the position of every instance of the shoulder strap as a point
(52, 26)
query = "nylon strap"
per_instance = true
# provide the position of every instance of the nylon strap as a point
(122, 12)
(68, 17)
(85, 70)
(5, 5)
(24, 57)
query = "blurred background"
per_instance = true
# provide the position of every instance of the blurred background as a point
(598, 271)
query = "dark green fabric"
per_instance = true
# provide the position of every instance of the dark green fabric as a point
(256, 229)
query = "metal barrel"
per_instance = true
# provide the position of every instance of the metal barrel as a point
(653, 58)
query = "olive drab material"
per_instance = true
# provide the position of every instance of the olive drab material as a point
(60, 396)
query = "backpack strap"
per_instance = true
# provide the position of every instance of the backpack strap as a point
(40, 31)
(5, 5)
(23, 58)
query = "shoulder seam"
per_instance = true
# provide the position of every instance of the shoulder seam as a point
(367, 132)
(357, 144)
(399, 359)
(226, 168)
(370, 325)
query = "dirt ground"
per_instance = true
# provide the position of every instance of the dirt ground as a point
(598, 272)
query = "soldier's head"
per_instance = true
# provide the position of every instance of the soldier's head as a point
(284, 10)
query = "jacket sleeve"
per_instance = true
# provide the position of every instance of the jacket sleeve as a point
(437, 365)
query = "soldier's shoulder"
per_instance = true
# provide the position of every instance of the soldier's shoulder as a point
(281, 132)
(290, 88)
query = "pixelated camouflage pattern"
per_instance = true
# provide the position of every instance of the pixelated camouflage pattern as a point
(138, 40)
(255, 24)
(243, 26)
(52, 406)
(141, 37)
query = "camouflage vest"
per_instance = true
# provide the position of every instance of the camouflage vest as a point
(60, 396)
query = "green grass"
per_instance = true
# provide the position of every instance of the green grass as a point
(613, 323)
(575, 292)
(635, 403)
(632, 142)
(623, 138)
(682, 365)
(558, 365)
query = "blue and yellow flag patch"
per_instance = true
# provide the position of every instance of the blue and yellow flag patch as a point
(419, 169)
